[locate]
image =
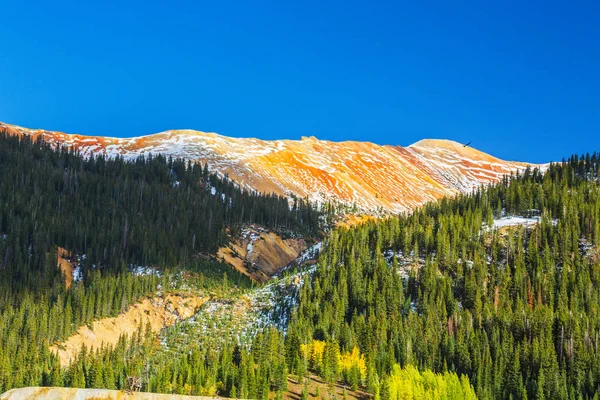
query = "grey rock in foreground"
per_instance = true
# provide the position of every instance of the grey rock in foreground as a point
(55, 393)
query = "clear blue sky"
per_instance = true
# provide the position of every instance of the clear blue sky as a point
(520, 79)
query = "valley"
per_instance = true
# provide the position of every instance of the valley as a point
(205, 200)
(159, 269)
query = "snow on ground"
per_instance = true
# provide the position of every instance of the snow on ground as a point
(375, 179)
(589, 250)
(585, 247)
(77, 274)
(515, 221)
(78, 262)
(77, 271)
(140, 270)
(252, 234)
(272, 304)
(311, 253)
(405, 263)
(240, 319)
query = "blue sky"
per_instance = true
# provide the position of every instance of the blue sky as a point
(519, 79)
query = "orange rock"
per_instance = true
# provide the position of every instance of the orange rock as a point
(369, 176)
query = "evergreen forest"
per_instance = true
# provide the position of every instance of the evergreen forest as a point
(441, 303)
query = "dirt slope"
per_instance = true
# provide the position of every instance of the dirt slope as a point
(260, 253)
(159, 311)
(65, 265)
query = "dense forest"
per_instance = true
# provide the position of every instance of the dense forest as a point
(256, 371)
(441, 303)
(517, 309)
(152, 212)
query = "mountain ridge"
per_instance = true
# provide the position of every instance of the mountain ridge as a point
(364, 176)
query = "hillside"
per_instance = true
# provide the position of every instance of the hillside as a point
(366, 175)
(501, 286)
(83, 240)
(491, 294)
(159, 312)
(117, 214)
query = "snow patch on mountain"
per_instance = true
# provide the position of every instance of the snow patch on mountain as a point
(362, 176)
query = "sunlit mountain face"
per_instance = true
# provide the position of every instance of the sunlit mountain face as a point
(365, 176)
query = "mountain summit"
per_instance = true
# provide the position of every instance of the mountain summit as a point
(365, 175)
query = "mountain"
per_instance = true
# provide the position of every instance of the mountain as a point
(369, 176)
(489, 295)
(484, 284)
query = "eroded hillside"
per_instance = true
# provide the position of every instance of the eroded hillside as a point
(259, 253)
(159, 311)
(362, 175)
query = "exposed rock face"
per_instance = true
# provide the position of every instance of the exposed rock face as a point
(260, 253)
(369, 176)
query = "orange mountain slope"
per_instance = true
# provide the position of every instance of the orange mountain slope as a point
(370, 176)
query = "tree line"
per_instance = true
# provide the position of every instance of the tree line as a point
(150, 211)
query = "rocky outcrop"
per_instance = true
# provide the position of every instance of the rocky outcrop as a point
(259, 253)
